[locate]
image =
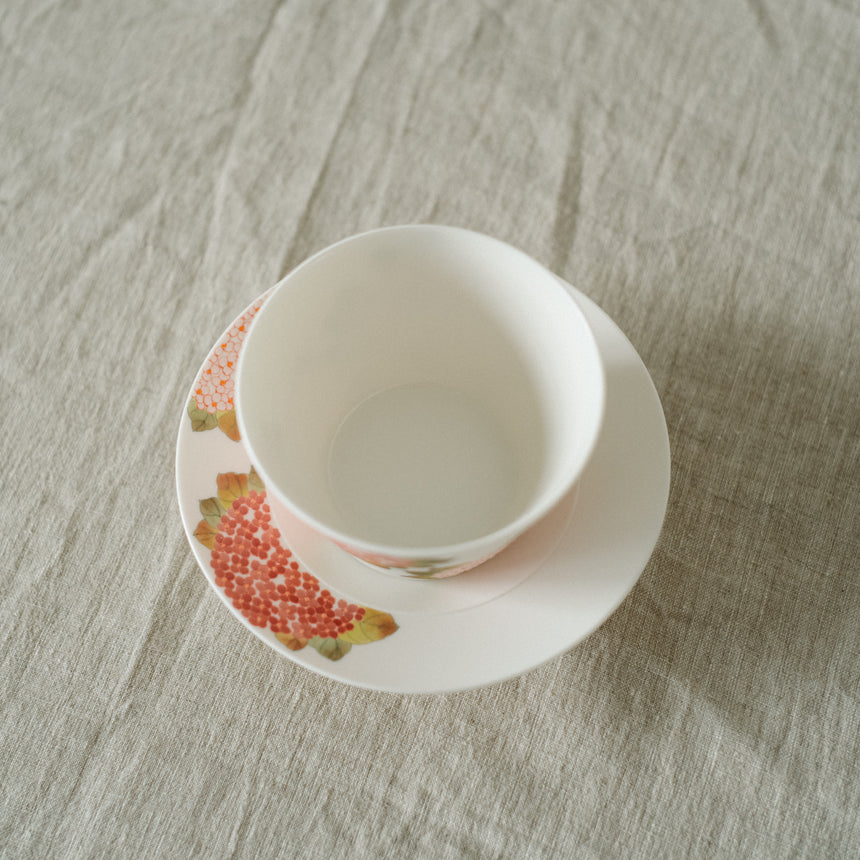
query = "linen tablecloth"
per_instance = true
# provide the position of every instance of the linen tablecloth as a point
(694, 168)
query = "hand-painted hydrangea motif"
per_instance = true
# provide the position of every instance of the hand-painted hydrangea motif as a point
(211, 403)
(259, 575)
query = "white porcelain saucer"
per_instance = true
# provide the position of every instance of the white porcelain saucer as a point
(318, 606)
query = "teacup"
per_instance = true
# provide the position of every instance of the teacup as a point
(420, 395)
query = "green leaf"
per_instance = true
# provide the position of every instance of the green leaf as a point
(206, 534)
(375, 625)
(292, 642)
(231, 486)
(200, 419)
(227, 424)
(255, 482)
(333, 649)
(212, 510)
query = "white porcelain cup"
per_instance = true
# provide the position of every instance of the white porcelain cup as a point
(420, 395)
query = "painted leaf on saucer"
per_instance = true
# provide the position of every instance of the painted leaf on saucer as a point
(259, 575)
(211, 404)
(374, 625)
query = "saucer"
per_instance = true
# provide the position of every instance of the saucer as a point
(318, 606)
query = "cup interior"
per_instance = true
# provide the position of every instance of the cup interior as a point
(419, 387)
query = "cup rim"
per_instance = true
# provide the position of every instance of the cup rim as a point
(462, 549)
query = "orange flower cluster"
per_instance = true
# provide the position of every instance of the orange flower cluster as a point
(265, 583)
(214, 391)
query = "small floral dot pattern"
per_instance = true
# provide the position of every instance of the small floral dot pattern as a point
(264, 582)
(251, 565)
(214, 390)
(256, 572)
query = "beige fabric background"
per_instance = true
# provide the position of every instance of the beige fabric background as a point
(693, 167)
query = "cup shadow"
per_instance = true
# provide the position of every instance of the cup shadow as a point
(747, 600)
